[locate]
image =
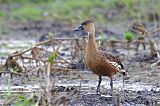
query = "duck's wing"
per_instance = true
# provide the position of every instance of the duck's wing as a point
(115, 61)
(112, 58)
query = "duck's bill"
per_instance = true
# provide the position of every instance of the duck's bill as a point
(80, 28)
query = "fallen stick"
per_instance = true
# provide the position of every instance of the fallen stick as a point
(20, 53)
(10, 72)
(32, 58)
(20, 91)
(44, 60)
(47, 41)
(60, 68)
(153, 32)
(155, 63)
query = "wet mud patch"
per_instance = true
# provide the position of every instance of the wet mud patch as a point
(125, 98)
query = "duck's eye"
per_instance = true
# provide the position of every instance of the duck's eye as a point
(85, 23)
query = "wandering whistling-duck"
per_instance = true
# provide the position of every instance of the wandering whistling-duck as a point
(100, 62)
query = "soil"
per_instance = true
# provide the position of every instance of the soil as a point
(142, 84)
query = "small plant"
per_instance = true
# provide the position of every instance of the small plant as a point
(15, 99)
(23, 101)
(52, 57)
(128, 36)
(8, 94)
(50, 35)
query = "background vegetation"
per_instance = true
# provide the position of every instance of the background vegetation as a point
(71, 10)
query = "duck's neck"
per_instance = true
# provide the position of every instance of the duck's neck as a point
(91, 45)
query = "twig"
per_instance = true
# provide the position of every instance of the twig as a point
(61, 99)
(35, 69)
(44, 60)
(20, 53)
(33, 58)
(48, 81)
(157, 62)
(60, 68)
(38, 100)
(10, 72)
(50, 52)
(44, 42)
(153, 45)
(48, 84)
(62, 58)
(19, 91)
(152, 33)
(55, 39)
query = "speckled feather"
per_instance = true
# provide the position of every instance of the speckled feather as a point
(101, 63)
(112, 58)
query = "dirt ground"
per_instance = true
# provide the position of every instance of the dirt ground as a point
(142, 84)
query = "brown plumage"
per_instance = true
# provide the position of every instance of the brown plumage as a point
(100, 62)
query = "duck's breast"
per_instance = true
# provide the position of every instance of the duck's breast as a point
(98, 63)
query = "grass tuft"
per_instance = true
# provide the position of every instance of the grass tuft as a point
(29, 12)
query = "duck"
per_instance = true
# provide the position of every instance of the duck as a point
(100, 62)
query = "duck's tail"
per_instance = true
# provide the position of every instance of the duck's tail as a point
(123, 72)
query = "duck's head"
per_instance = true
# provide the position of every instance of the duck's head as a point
(87, 26)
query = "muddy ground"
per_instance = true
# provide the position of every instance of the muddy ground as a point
(142, 84)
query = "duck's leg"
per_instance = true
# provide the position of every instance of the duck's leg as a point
(123, 81)
(99, 83)
(111, 84)
(124, 86)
